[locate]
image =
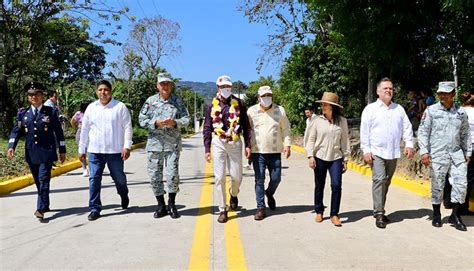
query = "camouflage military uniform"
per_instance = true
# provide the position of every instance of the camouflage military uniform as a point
(164, 143)
(444, 135)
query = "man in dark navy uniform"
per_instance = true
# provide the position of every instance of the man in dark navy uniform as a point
(41, 128)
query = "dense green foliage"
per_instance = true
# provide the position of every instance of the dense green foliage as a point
(345, 46)
(48, 41)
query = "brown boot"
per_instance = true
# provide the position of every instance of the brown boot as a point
(335, 220)
(319, 218)
(222, 217)
(260, 214)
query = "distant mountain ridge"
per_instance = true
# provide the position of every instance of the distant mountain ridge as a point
(206, 89)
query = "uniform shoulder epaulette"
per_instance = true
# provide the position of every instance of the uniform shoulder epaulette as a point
(21, 112)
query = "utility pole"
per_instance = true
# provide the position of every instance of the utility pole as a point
(196, 123)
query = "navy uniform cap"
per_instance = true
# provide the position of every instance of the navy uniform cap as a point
(34, 87)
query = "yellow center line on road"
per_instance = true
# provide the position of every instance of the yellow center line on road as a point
(200, 251)
(201, 248)
(233, 244)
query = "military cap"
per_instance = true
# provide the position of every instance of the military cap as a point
(164, 77)
(33, 87)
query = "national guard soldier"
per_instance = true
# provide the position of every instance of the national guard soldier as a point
(164, 114)
(444, 140)
(41, 128)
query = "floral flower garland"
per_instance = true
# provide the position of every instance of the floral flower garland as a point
(231, 134)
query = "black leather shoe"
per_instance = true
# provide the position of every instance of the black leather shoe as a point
(386, 219)
(270, 200)
(161, 211)
(233, 202)
(173, 211)
(437, 222)
(93, 216)
(379, 222)
(457, 222)
(39, 214)
(125, 202)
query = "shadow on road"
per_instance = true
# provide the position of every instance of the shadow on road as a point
(63, 190)
(353, 216)
(399, 216)
(75, 211)
(280, 210)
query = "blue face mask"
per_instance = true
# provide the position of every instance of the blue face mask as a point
(226, 92)
(266, 101)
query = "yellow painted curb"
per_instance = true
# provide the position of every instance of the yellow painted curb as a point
(298, 148)
(422, 189)
(24, 181)
(138, 145)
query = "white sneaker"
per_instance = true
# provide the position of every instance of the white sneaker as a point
(85, 173)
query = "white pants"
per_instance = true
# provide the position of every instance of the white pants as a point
(222, 154)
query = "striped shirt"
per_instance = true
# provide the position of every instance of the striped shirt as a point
(106, 129)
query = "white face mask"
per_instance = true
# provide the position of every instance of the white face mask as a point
(226, 92)
(265, 101)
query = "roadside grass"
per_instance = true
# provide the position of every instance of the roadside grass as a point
(18, 167)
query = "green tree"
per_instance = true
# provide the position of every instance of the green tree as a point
(194, 102)
(252, 91)
(48, 42)
(239, 87)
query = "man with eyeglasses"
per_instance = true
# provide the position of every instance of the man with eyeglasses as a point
(42, 130)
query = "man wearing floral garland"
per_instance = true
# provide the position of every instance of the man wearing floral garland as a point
(226, 120)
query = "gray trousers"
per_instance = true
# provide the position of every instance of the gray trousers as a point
(167, 162)
(382, 173)
(457, 178)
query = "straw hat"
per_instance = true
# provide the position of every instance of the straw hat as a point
(330, 98)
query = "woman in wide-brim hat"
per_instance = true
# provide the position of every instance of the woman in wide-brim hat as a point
(328, 149)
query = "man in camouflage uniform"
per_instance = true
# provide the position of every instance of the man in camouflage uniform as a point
(164, 114)
(444, 140)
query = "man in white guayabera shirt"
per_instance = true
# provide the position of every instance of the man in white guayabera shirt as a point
(383, 124)
(270, 131)
(107, 136)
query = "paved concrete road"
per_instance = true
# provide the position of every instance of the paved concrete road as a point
(288, 239)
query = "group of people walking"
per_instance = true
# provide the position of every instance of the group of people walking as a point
(263, 131)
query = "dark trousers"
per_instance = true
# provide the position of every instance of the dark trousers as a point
(335, 172)
(42, 176)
